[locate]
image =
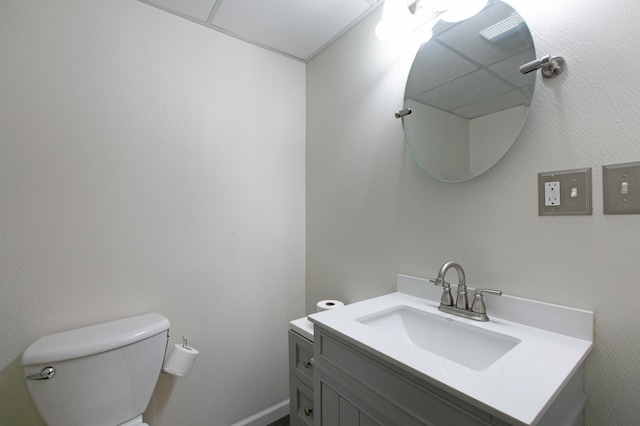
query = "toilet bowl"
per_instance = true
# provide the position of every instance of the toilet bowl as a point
(102, 375)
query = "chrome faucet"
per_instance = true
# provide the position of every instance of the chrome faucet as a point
(477, 311)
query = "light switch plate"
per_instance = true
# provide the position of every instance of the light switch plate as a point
(617, 179)
(574, 196)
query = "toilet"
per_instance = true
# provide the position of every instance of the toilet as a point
(102, 375)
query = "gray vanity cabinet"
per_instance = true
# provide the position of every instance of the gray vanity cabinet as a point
(355, 388)
(337, 410)
(300, 380)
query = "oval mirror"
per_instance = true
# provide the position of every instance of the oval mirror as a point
(468, 99)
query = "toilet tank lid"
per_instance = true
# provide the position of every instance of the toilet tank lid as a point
(94, 339)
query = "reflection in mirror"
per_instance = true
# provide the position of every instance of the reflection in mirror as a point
(468, 99)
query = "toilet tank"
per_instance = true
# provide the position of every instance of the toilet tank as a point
(105, 374)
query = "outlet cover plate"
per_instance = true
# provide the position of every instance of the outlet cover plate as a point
(575, 192)
(613, 176)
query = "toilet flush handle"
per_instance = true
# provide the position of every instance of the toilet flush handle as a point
(46, 373)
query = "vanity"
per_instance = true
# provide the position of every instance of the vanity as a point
(398, 360)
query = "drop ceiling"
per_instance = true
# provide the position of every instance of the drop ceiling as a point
(299, 29)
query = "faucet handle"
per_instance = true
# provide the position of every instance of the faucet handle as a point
(439, 282)
(478, 305)
(446, 298)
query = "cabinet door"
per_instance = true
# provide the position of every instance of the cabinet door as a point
(330, 406)
(338, 411)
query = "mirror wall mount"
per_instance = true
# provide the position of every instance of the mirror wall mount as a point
(549, 66)
(403, 112)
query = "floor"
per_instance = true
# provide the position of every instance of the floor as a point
(280, 422)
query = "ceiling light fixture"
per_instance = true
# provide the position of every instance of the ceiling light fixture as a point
(397, 21)
(459, 10)
(402, 18)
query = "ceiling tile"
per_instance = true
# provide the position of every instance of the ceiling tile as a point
(467, 40)
(198, 9)
(298, 28)
(509, 69)
(501, 102)
(433, 66)
(466, 90)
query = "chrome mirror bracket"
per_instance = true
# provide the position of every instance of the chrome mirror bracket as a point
(549, 66)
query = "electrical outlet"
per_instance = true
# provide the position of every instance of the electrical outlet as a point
(552, 193)
(566, 192)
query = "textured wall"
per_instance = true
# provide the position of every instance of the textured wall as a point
(372, 213)
(145, 165)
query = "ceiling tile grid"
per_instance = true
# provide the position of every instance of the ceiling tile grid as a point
(296, 28)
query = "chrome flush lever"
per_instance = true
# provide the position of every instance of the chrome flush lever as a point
(46, 373)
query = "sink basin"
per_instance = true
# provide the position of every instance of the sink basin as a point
(456, 341)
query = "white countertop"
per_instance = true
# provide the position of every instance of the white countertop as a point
(518, 387)
(303, 327)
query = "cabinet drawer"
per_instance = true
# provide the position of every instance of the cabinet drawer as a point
(300, 354)
(301, 402)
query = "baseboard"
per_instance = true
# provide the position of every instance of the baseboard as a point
(264, 417)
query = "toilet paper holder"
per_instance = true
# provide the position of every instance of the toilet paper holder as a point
(184, 344)
(180, 360)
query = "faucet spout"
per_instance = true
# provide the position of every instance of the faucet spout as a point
(478, 310)
(462, 301)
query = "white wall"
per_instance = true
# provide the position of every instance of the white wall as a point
(372, 213)
(150, 164)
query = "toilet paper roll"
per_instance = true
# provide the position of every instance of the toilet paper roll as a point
(325, 305)
(181, 360)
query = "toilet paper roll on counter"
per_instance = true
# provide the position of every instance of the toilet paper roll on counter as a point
(325, 305)
(181, 360)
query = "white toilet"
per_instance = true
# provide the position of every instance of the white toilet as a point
(102, 375)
